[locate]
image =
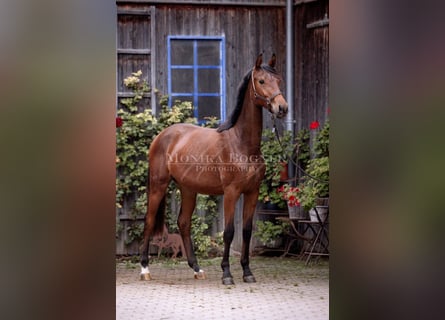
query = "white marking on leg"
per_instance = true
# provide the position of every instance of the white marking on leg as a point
(144, 270)
(200, 271)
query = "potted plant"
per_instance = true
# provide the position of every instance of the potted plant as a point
(276, 154)
(292, 196)
(313, 188)
(270, 233)
(316, 185)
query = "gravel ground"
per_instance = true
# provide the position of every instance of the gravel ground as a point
(285, 289)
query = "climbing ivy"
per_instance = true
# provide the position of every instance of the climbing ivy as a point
(136, 127)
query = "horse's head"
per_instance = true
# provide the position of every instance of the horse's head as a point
(266, 87)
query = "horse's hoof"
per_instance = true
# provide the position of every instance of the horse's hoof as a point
(249, 279)
(145, 276)
(228, 281)
(201, 275)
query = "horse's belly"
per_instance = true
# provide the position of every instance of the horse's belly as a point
(197, 177)
(213, 178)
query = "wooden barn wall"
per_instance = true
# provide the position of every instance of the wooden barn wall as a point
(135, 28)
(248, 31)
(133, 46)
(215, 2)
(311, 47)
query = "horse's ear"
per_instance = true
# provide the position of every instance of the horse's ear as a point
(273, 61)
(259, 61)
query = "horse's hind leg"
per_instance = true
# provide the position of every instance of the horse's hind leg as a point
(155, 208)
(188, 202)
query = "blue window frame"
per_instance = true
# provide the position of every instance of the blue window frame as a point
(196, 73)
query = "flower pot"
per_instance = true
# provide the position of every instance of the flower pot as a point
(284, 173)
(296, 212)
(322, 201)
(322, 213)
(275, 243)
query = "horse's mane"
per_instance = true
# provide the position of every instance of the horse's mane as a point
(242, 88)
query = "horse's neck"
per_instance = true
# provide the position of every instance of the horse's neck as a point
(249, 125)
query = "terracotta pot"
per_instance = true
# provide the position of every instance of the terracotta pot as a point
(284, 173)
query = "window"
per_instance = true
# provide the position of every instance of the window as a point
(196, 74)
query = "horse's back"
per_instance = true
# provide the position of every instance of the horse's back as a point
(183, 134)
(183, 129)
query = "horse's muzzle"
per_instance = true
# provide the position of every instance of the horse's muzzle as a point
(282, 111)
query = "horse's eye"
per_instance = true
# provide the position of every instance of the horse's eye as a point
(261, 81)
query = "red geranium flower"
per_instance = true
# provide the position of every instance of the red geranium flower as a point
(119, 122)
(294, 203)
(314, 125)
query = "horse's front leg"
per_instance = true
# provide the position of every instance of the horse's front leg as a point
(229, 232)
(250, 200)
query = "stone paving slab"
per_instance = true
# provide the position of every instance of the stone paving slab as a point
(285, 289)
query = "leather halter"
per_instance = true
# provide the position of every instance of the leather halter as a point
(268, 100)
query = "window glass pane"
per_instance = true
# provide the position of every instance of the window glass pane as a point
(207, 68)
(208, 107)
(181, 52)
(208, 81)
(182, 80)
(208, 53)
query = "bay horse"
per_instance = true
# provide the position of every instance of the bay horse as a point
(224, 161)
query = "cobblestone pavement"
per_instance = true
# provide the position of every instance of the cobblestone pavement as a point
(285, 289)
